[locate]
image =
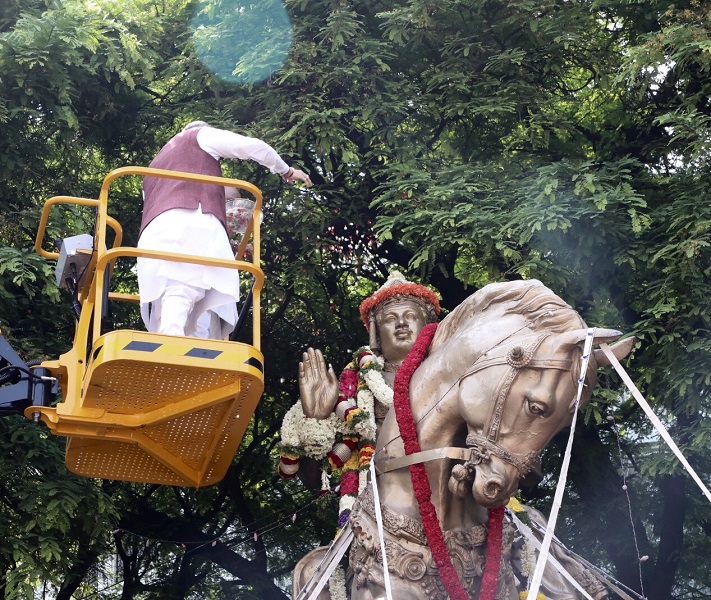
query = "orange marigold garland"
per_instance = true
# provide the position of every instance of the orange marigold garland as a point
(407, 289)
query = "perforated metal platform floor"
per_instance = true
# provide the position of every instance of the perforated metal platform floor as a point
(160, 409)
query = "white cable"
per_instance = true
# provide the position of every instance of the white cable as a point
(560, 488)
(528, 534)
(328, 564)
(653, 418)
(381, 531)
(601, 576)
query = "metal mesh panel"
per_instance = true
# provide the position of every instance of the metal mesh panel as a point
(127, 386)
(117, 460)
(141, 435)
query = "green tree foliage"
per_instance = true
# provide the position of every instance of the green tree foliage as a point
(464, 141)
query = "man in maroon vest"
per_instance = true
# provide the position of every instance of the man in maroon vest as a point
(189, 218)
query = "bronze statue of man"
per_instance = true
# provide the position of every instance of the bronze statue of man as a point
(393, 316)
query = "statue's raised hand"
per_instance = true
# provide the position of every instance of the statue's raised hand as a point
(318, 385)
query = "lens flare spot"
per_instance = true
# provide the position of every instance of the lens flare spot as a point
(242, 42)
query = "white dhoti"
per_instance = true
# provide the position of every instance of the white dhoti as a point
(182, 298)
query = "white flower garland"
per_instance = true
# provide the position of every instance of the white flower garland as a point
(371, 374)
(376, 384)
(337, 584)
(362, 480)
(315, 437)
(366, 427)
(325, 480)
(528, 559)
(346, 502)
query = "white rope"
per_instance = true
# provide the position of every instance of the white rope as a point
(336, 549)
(653, 418)
(601, 576)
(528, 534)
(558, 498)
(381, 531)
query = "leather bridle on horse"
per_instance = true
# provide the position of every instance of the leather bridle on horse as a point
(480, 448)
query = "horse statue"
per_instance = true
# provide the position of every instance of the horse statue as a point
(497, 382)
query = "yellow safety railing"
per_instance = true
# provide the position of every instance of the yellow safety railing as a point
(91, 293)
(139, 406)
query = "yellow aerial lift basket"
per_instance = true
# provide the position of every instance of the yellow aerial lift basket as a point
(140, 406)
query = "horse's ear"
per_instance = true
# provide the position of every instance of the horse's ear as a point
(573, 338)
(605, 335)
(619, 350)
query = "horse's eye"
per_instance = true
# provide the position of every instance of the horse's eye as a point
(538, 409)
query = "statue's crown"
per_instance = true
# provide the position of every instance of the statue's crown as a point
(397, 285)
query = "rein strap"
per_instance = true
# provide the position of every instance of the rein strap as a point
(385, 465)
(473, 454)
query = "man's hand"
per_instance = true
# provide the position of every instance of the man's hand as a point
(297, 175)
(318, 385)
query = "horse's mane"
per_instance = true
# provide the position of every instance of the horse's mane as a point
(543, 309)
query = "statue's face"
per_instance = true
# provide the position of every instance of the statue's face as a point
(399, 322)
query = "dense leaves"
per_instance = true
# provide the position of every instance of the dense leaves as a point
(463, 141)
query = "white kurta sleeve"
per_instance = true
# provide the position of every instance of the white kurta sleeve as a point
(226, 144)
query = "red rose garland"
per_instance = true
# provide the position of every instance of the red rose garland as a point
(423, 492)
(490, 578)
(420, 483)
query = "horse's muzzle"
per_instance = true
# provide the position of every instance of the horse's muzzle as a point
(493, 488)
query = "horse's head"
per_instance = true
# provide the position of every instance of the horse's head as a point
(519, 385)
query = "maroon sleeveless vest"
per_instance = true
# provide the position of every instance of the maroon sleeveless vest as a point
(182, 153)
